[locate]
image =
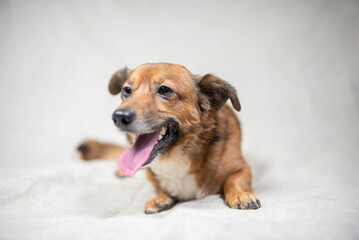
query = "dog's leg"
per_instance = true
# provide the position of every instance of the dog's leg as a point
(238, 192)
(91, 149)
(162, 202)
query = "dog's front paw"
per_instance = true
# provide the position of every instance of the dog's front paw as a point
(242, 200)
(161, 203)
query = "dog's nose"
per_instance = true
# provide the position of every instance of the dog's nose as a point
(123, 117)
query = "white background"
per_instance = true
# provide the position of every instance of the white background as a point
(295, 65)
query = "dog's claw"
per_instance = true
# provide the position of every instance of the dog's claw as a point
(151, 211)
(160, 203)
(162, 207)
(242, 200)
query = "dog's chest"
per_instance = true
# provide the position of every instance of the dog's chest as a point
(174, 177)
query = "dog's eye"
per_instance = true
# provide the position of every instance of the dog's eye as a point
(165, 91)
(126, 91)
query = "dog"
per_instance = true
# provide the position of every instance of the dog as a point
(182, 133)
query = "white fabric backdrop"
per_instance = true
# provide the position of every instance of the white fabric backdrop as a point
(294, 63)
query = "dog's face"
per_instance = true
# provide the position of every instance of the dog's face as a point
(161, 103)
(154, 95)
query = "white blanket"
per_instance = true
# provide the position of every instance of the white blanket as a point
(86, 201)
(294, 63)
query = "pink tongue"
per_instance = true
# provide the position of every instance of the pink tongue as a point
(134, 157)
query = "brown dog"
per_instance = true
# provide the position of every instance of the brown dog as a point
(182, 133)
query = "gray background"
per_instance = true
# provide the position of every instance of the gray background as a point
(295, 66)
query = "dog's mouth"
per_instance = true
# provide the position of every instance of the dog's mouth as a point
(148, 147)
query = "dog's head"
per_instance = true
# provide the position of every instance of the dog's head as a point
(163, 102)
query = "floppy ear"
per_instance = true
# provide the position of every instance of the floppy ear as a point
(218, 92)
(117, 80)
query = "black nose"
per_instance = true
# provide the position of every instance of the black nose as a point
(123, 117)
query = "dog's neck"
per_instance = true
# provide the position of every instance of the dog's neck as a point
(198, 136)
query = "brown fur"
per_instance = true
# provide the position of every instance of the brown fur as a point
(210, 136)
(92, 149)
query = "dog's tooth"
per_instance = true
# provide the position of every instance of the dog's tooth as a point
(163, 131)
(159, 137)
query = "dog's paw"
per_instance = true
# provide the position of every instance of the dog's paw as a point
(89, 150)
(242, 200)
(120, 174)
(159, 204)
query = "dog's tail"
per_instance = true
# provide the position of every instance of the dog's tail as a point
(91, 149)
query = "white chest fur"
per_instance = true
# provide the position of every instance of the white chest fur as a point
(173, 175)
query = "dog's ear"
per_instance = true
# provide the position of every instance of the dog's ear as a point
(117, 80)
(218, 92)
